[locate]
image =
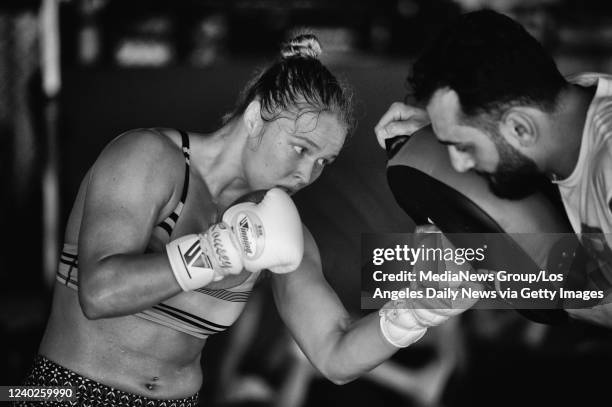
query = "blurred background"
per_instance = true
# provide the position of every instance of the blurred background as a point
(74, 74)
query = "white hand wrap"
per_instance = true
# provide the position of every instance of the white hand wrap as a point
(403, 323)
(399, 325)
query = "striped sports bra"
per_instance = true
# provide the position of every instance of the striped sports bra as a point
(169, 223)
(199, 313)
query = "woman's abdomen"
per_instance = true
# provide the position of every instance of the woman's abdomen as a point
(128, 353)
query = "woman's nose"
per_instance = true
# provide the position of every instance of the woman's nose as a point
(304, 172)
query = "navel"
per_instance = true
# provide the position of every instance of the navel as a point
(151, 385)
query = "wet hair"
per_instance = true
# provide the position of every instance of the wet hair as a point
(492, 63)
(295, 84)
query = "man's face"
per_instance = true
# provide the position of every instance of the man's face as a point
(509, 173)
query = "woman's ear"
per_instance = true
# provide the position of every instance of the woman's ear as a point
(252, 118)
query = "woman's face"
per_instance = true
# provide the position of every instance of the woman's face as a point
(291, 153)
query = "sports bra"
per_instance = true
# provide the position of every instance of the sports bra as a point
(199, 313)
(169, 223)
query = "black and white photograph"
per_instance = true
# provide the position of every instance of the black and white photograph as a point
(306, 203)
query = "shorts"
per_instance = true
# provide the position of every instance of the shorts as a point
(89, 393)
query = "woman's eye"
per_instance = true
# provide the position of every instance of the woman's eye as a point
(322, 162)
(299, 149)
(462, 148)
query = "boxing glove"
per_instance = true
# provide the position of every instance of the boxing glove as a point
(268, 229)
(198, 259)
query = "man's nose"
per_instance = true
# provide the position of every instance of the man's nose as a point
(460, 161)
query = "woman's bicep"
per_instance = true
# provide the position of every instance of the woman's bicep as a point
(308, 305)
(127, 189)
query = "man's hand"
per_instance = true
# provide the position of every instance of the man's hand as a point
(400, 119)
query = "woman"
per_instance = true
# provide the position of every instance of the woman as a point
(124, 326)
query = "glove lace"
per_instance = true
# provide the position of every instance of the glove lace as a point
(219, 250)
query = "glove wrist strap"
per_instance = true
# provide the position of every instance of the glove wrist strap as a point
(191, 267)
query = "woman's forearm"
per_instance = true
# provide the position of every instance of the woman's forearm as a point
(125, 284)
(357, 349)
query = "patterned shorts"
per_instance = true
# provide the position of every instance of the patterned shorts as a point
(89, 392)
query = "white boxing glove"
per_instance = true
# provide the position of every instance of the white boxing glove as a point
(198, 259)
(268, 230)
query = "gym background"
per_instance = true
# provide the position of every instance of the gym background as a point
(76, 73)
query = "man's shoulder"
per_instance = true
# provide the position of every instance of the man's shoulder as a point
(602, 165)
(603, 154)
(588, 78)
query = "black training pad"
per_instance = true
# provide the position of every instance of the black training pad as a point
(427, 187)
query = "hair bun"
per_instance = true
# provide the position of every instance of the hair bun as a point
(301, 46)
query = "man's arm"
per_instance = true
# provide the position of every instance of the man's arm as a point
(601, 314)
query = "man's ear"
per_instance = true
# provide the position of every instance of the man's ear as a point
(520, 124)
(252, 118)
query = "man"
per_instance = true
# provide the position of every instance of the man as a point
(496, 99)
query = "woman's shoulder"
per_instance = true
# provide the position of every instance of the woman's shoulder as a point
(147, 141)
(149, 149)
(144, 157)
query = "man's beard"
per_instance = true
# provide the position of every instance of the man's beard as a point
(517, 176)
